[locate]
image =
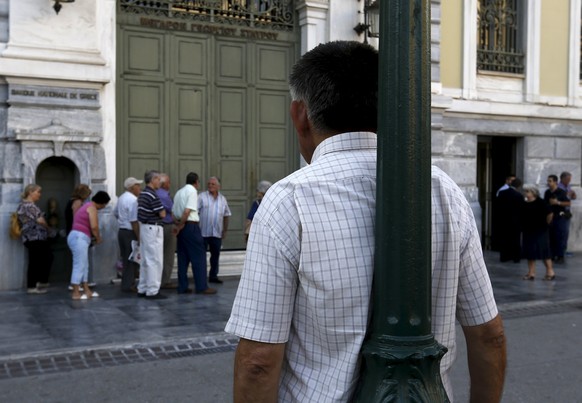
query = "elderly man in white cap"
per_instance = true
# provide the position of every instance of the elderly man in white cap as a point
(126, 213)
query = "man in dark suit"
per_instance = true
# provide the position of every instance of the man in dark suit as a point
(509, 203)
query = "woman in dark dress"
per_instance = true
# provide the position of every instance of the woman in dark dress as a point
(536, 239)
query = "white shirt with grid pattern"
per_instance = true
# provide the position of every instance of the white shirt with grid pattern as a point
(308, 270)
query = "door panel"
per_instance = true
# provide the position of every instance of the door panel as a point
(273, 65)
(272, 142)
(214, 105)
(192, 56)
(231, 61)
(138, 61)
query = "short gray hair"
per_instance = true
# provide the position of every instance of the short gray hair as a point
(263, 186)
(150, 175)
(531, 189)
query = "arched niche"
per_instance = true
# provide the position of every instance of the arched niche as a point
(57, 176)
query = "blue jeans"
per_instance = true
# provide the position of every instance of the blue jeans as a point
(214, 244)
(79, 244)
(191, 251)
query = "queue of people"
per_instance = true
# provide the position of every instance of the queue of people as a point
(152, 227)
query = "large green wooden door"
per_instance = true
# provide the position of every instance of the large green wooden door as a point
(213, 105)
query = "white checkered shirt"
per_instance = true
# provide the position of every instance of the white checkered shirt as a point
(308, 270)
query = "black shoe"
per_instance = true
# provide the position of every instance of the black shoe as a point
(141, 294)
(215, 280)
(186, 291)
(156, 296)
(208, 291)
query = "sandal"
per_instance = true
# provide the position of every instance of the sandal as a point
(549, 278)
(528, 277)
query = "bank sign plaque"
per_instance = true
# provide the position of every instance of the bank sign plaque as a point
(53, 96)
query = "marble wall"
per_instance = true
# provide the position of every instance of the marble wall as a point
(57, 99)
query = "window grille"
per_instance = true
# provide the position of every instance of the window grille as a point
(266, 14)
(500, 33)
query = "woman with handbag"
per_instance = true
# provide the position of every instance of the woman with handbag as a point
(34, 235)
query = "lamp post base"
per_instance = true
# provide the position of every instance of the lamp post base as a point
(401, 370)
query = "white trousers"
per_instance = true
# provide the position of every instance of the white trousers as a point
(151, 244)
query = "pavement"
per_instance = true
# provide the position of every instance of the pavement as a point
(50, 334)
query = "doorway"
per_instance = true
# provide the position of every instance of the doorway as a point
(57, 176)
(496, 159)
(212, 104)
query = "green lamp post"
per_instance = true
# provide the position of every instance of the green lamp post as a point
(401, 358)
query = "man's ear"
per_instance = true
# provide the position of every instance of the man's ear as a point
(305, 134)
(299, 116)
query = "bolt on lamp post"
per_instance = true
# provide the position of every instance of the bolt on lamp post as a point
(57, 7)
(371, 25)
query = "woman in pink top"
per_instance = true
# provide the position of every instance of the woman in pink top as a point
(85, 226)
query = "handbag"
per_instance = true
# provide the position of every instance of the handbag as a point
(15, 228)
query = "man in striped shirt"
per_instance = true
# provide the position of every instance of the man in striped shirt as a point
(150, 213)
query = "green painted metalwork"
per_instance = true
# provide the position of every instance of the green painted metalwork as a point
(400, 356)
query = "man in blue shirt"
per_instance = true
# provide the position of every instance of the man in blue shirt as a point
(169, 238)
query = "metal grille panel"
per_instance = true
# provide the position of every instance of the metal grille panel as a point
(500, 47)
(274, 15)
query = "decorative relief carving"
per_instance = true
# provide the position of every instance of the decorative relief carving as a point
(55, 132)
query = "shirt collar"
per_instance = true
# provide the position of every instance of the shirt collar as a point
(345, 142)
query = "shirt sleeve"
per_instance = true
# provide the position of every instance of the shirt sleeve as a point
(475, 300)
(263, 307)
(192, 202)
(133, 212)
(227, 212)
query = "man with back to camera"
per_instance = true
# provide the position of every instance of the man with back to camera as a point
(303, 300)
(190, 243)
